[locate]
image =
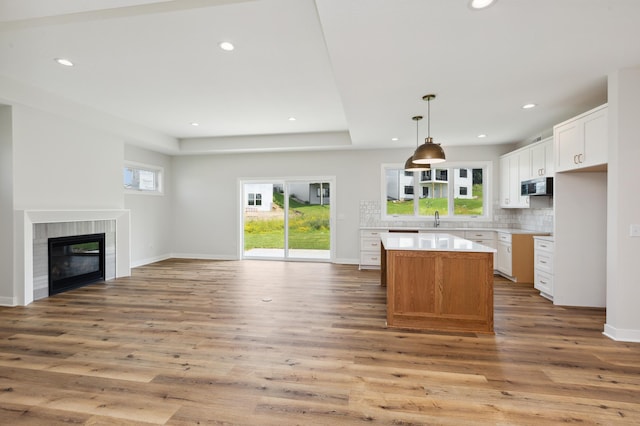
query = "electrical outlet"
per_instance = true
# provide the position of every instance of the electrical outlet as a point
(634, 230)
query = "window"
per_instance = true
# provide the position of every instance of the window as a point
(456, 191)
(142, 178)
(254, 199)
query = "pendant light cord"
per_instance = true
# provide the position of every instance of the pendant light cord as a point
(429, 118)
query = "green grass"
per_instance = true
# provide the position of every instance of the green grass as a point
(308, 228)
(428, 206)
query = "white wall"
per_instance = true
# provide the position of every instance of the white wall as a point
(207, 195)
(6, 206)
(623, 251)
(63, 164)
(58, 164)
(151, 215)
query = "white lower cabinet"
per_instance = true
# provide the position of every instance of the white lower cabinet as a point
(505, 256)
(543, 267)
(370, 248)
(486, 238)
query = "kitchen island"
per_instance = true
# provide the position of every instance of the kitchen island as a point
(437, 282)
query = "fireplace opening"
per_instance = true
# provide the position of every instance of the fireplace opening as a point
(75, 261)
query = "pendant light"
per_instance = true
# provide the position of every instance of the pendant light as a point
(409, 165)
(429, 152)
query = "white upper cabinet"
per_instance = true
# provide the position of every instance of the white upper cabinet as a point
(532, 161)
(524, 173)
(542, 158)
(582, 141)
(514, 168)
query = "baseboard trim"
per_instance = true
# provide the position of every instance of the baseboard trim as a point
(203, 256)
(621, 335)
(8, 301)
(347, 261)
(142, 262)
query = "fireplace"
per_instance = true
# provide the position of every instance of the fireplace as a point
(75, 261)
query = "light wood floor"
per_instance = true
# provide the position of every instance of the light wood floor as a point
(254, 342)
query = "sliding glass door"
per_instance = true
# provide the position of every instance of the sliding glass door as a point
(287, 219)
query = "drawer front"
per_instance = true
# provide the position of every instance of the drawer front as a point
(543, 261)
(543, 245)
(370, 244)
(503, 236)
(479, 235)
(369, 258)
(543, 282)
(371, 233)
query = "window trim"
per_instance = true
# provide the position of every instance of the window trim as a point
(488, 185)
(158, 170)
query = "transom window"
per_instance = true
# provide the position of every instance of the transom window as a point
(455, 190)
(142, 178)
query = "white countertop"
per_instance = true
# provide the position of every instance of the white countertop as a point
(445, 229)
(430, 242)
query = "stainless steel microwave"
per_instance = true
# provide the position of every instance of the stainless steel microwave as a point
(537, 186)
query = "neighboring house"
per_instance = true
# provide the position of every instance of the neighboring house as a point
(399, 186)
(463, 183)
(258, 197)
(310, 193)
(434, 183)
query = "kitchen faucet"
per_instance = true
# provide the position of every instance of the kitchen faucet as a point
(436, 219)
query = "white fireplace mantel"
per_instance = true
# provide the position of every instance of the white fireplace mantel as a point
(25, 219)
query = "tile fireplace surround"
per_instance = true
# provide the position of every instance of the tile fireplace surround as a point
(36, 226)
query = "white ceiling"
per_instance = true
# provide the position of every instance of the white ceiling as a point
(352, 72)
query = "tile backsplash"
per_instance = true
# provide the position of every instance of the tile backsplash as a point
(538, 219)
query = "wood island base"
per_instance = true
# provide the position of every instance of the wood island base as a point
(439, 290)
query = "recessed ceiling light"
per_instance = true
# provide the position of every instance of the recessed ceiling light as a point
(528, 106)
(225, 45)
(65, 62)
(292, 119)
(482, 135)
(480, 4)
(194, 124)
(394, 139)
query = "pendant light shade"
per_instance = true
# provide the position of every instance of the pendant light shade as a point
(409, 165)
(429, 152)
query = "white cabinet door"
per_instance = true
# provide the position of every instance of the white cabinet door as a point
(542, 158)
(505, 200)
(568, 145)
(595, 139)
(524, 173)
(549, 163)
(504, 258)
(514, 168)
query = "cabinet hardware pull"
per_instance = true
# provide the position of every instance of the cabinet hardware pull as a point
(579, 158)
(542, 261)
(543, 282)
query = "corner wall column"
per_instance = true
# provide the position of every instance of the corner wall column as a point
(623, 206)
